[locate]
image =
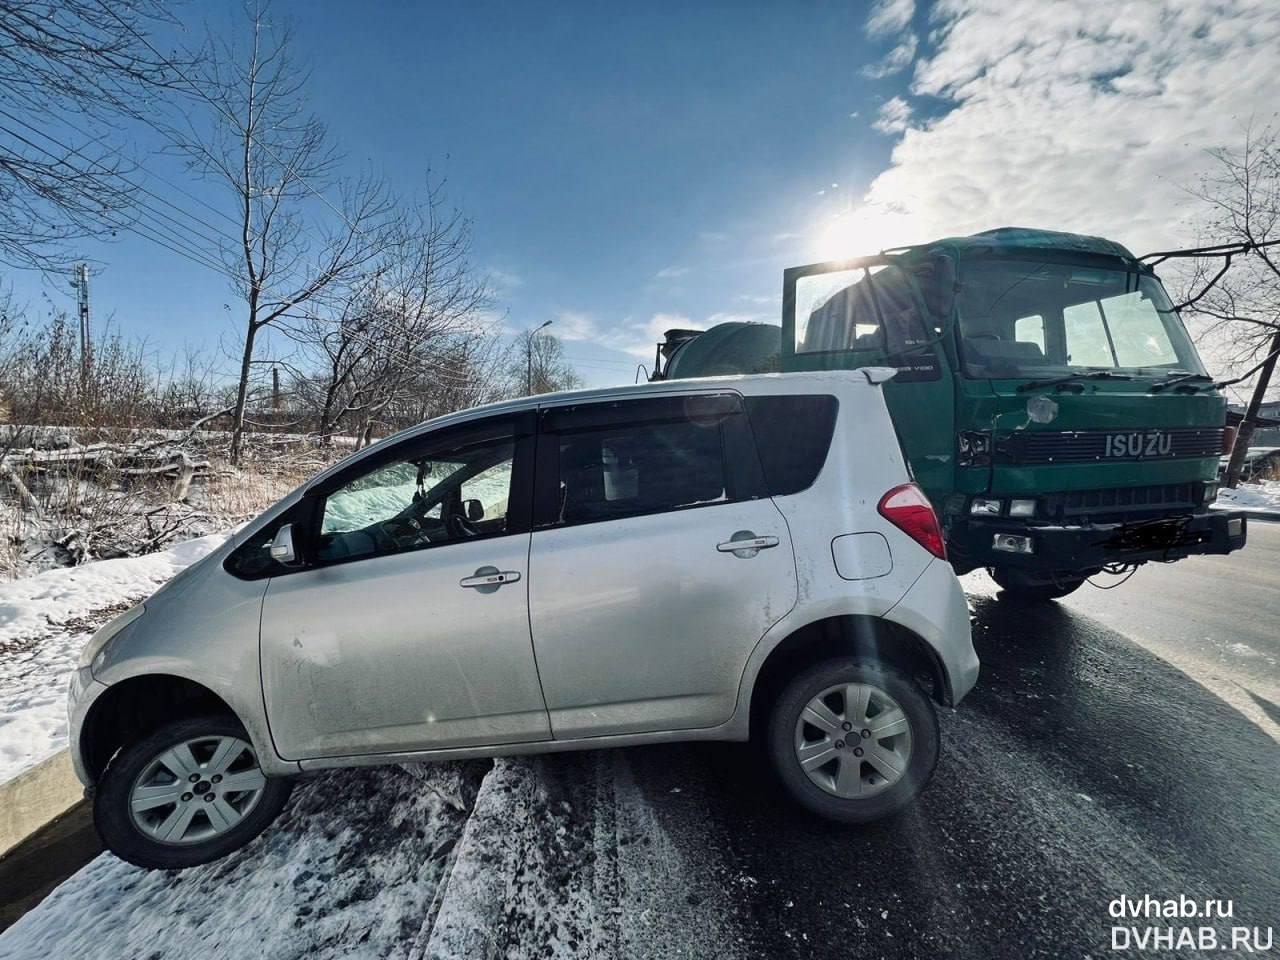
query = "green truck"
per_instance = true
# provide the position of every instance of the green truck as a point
(1048, 397)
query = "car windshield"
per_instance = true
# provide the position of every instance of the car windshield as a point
(1021, 318)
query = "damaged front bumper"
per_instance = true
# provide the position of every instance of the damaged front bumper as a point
(1085, 548)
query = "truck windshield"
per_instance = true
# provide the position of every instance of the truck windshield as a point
(1023, 318)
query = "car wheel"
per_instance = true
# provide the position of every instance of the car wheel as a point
(853, 740)
(186, 794)
(1015, 588)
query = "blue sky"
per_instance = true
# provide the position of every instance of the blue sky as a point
(619, 161)
(634, 166)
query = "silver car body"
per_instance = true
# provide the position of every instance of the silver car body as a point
(622, 632)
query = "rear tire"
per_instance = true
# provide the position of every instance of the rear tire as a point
(876, 766)
(1020, 589)
(170, 800)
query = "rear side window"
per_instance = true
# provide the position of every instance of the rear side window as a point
(628, 459)
(793, 435)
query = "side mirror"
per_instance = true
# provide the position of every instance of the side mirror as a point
(473, 510)
(282, 550)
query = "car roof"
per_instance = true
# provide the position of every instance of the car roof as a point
(743, 383)
(750, 384)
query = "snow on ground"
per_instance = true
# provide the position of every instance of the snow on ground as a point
(556, 857)
(1263, 496)
(44, 622)
(351, 869)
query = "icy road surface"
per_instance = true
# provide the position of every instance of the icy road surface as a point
(1120, 743)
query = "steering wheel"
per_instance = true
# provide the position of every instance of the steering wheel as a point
(402, 533)
(459, 526)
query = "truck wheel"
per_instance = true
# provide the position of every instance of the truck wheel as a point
(186, 794)
(853, 740)
(1017, 588)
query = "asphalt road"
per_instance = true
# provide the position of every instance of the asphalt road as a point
(1122, 742)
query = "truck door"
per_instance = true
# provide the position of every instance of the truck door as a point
(858, 313)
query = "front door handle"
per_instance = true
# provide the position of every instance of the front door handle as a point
(746, 544)
(490, 577)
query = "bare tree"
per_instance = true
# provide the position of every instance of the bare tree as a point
(69, 71)
(1238, 301)
(537, 364)
(383, 337)
(294, 244)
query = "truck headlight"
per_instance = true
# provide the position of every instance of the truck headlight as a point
(985, 508)
(98, 642)
(1022, 508)
(1210, 493)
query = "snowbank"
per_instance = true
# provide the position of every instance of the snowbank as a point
(44, 622)
(1263, 497)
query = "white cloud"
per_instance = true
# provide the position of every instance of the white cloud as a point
(671, 273)
(504, 280)
(1088, 116)
(639, 338)
(895, 61)
(890, 16)
(571, 325)
(894, 116)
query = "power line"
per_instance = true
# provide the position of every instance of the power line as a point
(164, 236)
(226, 113)
(105, 173)
(175, 242)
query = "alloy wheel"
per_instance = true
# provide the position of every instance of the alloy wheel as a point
(196, 790)
(853, 740)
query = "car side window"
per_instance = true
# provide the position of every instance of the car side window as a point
(793, 434)
(430, 497)
(620, 460)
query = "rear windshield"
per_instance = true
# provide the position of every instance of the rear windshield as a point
(793, 434)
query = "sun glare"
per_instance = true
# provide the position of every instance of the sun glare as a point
(841, 237)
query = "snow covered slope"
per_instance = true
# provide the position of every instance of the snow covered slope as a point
(45, 620)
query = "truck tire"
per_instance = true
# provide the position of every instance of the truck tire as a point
(853, 740)
(170, 800)
(1016, 588)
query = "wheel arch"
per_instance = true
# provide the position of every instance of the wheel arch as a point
(858, 635)
(137, 706)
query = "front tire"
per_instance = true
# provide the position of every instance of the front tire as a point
(853, 740)
(186, 794)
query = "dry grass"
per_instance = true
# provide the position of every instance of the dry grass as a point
(78, 510)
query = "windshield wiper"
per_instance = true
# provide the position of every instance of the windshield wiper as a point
(1072, 378)
(1182, 378)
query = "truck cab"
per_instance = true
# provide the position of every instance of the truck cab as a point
(1048, 397)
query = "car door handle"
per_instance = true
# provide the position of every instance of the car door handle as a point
(495, 579)
(746, 544)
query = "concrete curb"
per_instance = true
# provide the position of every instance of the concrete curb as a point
(37, 797)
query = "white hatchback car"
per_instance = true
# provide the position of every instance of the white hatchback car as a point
(703, 559)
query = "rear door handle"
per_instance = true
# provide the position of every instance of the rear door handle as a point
(495, 579)
(746, 544)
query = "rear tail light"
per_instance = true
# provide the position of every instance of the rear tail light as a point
(908, 509)
(1228, 439)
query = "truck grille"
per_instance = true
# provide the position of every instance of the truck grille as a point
(1120, 503)
(1107, 446)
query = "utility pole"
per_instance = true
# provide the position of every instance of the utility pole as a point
(528, 357)
(80, 283)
